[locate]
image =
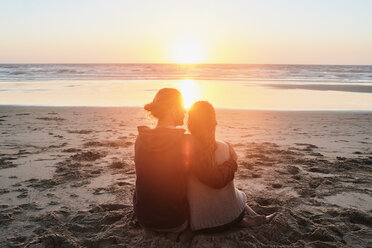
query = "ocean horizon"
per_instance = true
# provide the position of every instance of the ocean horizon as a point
(236, 86)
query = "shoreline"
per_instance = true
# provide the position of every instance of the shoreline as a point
(222, 94)
(217, 108)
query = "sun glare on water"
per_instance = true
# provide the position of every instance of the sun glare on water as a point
(187, 51)
(190, 91)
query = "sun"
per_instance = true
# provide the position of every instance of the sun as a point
(190, 91)
(187, 51)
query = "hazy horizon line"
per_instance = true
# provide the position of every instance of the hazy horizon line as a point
(183, 64)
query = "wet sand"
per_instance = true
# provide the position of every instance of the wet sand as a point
(322, 87)
(67, 178)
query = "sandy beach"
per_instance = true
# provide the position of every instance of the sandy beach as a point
(67, 178)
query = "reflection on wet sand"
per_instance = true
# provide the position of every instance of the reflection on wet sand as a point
(222, 94)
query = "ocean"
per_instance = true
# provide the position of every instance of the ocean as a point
(289, 73)
(274, 87)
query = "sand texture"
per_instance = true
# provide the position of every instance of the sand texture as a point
(67, 178)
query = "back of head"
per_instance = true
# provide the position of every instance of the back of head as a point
(202, 125)
(165, 101)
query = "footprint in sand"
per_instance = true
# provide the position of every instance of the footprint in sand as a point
(276, 186)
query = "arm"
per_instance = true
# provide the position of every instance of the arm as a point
(208, 172)
(216, 176)
(233, 155)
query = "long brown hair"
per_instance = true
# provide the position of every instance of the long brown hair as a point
(202, 125)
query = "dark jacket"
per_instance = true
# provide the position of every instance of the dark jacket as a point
(163, 159)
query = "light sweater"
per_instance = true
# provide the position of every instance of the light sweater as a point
(210, 207)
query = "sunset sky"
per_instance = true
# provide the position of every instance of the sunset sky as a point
(193, 31)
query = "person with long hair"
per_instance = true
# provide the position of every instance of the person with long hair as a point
(214, 209)
(164, 157)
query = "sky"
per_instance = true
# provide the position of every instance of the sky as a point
(192, 31)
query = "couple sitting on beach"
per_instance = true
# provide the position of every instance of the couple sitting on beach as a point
(186, 180)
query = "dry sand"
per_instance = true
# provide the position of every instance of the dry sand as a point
(67, 178)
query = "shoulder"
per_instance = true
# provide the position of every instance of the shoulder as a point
(222, 146)
(222, 153)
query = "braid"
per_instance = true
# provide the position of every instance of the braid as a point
(210, 148)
